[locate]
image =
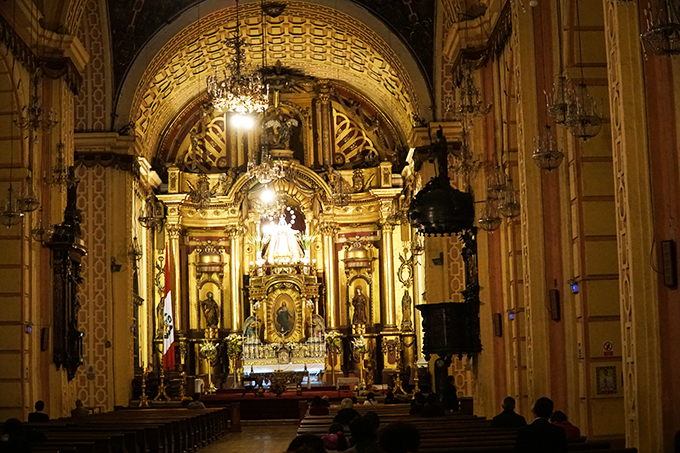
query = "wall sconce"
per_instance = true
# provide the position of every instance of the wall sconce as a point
(573, 284)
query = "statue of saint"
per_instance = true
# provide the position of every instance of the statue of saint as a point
(284, 319)
(406, 311)
(284, 246)
(359, 303)
(252, 327)
(279, 129)
(211, 311)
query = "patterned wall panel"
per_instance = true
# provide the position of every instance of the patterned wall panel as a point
(93, 382)
(91, 114)
(318, 40)
(455, 269)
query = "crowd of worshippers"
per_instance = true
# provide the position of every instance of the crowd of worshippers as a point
(549, 431)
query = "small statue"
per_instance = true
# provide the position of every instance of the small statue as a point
(359, 303)
(211, 311)
(406, 311)
(280, 129)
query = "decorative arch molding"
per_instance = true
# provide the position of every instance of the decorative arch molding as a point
(325, 42)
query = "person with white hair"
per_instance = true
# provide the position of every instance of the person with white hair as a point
(347, 413)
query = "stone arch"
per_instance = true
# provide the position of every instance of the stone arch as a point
(333, 44)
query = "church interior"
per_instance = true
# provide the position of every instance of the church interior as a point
(371, 193)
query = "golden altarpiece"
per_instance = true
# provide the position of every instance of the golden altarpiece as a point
(288, 230)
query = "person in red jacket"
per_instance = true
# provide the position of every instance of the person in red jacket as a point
(559, 418)
(317, 407)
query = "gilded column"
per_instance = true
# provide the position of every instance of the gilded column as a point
(638, 295)
(326, 125)
(174, 231)
(531, 217)
(235, 237)
(330, 266)
(389, 309)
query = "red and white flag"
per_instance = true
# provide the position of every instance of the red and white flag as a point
(168, 321)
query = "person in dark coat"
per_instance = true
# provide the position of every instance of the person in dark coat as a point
(347, 413)
(450, 398)
(38, 416)
(541, 436)
(508, 418)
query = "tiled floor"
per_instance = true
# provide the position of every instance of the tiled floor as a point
(256, 437)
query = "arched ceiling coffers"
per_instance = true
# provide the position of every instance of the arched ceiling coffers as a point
(319, 40)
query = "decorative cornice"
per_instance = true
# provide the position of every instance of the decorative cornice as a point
(122, 162)
(54, 68)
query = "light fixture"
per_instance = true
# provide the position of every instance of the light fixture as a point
(267, 195)
(496, 183)
(490, 219)
(33, 116)
(153, 214)
(583, 119)
(136, 251)
(508, 203)
(470, 103)
(466, 164)
(546, 154)
(267, 170)
(663, 28)
(29, 201)
(12, 213)
(240, 121)
(557, 100)
(241, 90)
(61, 175)
(42, 231)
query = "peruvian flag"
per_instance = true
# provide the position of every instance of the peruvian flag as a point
(168, 323)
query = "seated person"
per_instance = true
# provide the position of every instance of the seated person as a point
(433, 408)
(347, 413)
(38, 416)
(370, 400)
(317, 407)
(364, 435)
(389, 398)
(417, 404)
(195, 402)
(335, 440)
(572, 432)
(508, 418)
(326, 401)
(79, 411)
(541, 436)
(13, 437)
(306, 443)
(399, 437)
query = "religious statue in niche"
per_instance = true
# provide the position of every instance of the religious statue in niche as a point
(253, 328)
(406, 312)
(315, 327)
(359, 302)
(284, 319)
(211, 311)
(283, 247)
(279, 129)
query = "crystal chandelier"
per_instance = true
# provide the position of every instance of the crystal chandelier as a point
(29, 201)
(241, 91)
(33, 116)
(496, 183)
(61, 174)
(42, 231)
(12, 214)
(465, 163)
(583, 119)
(470, 103)
(508, 203)
(268, 169)
(490, 219)
(153, 215)
(546, 155)
(663, 28)
(557, 100)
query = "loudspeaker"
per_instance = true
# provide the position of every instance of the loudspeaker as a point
(555, 314)
(498, 324)
(669, 262)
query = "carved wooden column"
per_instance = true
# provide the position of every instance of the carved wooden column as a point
(235, 276)
(635, 230)
(389, 309)
(330, 266)
(68, 249)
